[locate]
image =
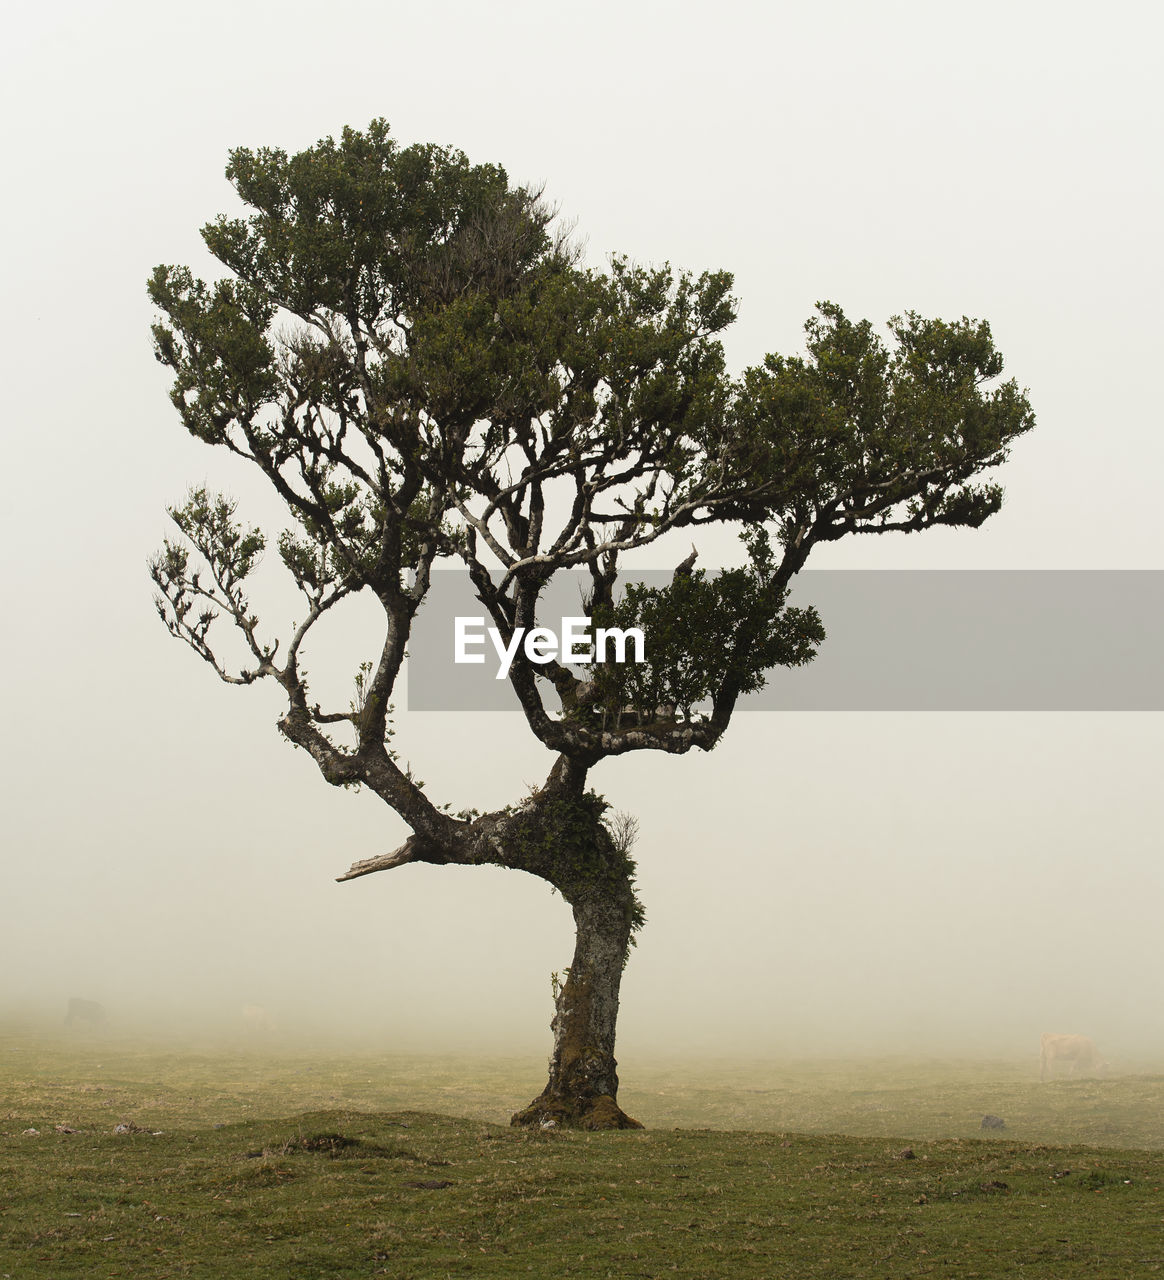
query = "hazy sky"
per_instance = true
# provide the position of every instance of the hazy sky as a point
(822, 881)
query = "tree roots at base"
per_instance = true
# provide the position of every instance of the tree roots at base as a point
(598, 1112)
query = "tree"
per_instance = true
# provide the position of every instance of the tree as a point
(423, 370)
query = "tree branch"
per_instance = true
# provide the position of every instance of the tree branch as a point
(408, 852)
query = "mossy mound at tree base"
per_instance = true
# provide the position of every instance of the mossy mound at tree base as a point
(598, 1112)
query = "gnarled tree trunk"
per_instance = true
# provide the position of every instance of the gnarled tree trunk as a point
(559, 835)
(582, 1090)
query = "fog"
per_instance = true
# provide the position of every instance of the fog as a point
(823, 883)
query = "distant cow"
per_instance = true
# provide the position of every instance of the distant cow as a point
(87, 1012)
(1078, 1052)
(256, 1019)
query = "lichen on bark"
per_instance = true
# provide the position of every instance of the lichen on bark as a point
(575, 850)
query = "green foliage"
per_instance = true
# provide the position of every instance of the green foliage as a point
(874, 438)
(415, 362)
(362, 706)
(569, 841)
(359, 704)
(558, 980)
(702, 631)
(361, 280)
(218, 347)
(230, 551)
(363, 223)
(208, 522)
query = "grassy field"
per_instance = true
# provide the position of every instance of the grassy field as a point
(148, 1161)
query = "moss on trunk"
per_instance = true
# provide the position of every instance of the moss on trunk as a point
(582, 1090)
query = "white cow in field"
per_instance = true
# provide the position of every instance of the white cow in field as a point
(1078, 1052)
(257, 1020)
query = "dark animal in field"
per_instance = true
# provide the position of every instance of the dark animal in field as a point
(1078, 1052)
(993, 1122)
(86, 1013)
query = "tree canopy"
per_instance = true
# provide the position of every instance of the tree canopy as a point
(425, 372)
